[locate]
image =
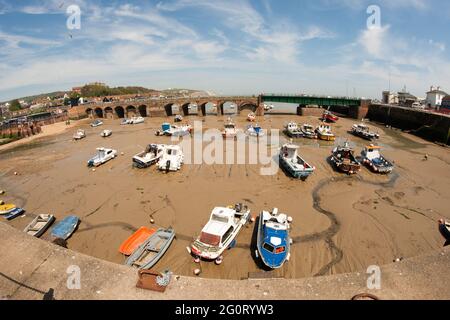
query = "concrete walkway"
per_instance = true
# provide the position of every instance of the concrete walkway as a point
(29, 268)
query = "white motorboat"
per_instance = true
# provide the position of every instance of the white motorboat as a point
(178, 118)
(149, 156)
(221, 230)
(171, 159)
(103, 155)
(308, 131)
(106, 133)
(80, 134)
(230, 130)
(173, 130)
(268, 107)
(293, 131)
(125, 121)
(294, 164)
(96, 123)
(137, 120)
(251, 117)
(324, 132)
(255, 131)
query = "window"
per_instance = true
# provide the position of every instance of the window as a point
(268, 247)
(227, 234)
(216, 217)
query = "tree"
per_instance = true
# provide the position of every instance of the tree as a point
(15, 105)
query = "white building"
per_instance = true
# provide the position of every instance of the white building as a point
(389, 97)
(434, 97)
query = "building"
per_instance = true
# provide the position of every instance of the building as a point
(389, 97)
(406, 99)
(434, 97)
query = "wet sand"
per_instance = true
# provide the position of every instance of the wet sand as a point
(341, 224)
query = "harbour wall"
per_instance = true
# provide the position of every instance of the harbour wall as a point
(430, 126)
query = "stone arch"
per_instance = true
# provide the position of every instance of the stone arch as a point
(185, 109)
(248, 106)
(120, 112)
(89, 112)
(109, 113)
(131, 111)
(98, 112)
(228, 107)
(143, 111)
(168, 108)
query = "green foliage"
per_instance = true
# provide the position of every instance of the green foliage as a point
(15, 105)
(101, 91)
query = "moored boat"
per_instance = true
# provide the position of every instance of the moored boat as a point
(135, 240)
(172, 130)
(125, 121)
(329, 117)
(106, 133)
(137, 120)
(251, 117)
(273, 241)
(65, 228)
(372, 158)
(172, 158)
(102, 156)
(444, 228)
(255, 131)
(221, 230)
(363, 131)
(229, 130)
(7, 208)
(152, 250)
(344, 159)
(178, 118)
(293, 131)
(295, 165)
(149, 156)
(325, 133)
(39, 225)
(14, 213)
(80, 134)
(96, 123)
(308, 131)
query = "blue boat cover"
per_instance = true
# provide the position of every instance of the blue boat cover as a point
(65, 228)
(274, 255)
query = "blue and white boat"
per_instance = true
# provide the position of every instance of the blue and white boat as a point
(96, 123)
(372, 158)
(293, 164)
(255, 131)
(273, 241)
(65, 228)
(14, 213)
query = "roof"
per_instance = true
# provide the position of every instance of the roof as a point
(438, 92)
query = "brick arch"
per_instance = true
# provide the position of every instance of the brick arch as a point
(131, 111)
(142, 110)
(108, 113)
(247, 106)
(98, 112)
(120, 112)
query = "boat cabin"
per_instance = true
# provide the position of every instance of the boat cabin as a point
(219, 228)
(289, 151)
(372, 152)
(276, 227)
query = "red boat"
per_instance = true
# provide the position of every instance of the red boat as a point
(329, 117)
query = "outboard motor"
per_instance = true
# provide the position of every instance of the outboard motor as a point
(238, 207)
(168, 166)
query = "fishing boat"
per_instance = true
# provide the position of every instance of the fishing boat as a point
(344, 159)
(308, 131)
(329, 117)
(149, 156)
(178, 118)
(96, 123)
(65, 228)
(106, 133)
(172, 130)
(125, 121)
(251, 117)
(363, 131)
(80, 134)
(295, 165)
(103, 155)
(14, 213)
(255, 131)
(444, 228)
(372, 158)
(135, 240)
(273, 241)
(293, 131)
(221, 230)
(137, 120)
(7, 208)
(152, 250)
(39, 225)
(268, 107)
(324, 132)
(172, 159)
(230, 130)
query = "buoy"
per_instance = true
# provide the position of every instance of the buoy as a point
(2, 202)
(253, 219)
(290, 219)
(122, 153)
(219, 260)
(197, 260)
(152, 221)
(15, 173)
(197, 272)
(93, 170)
(2, 191)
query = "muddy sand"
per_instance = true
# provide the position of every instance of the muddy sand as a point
(341, 223)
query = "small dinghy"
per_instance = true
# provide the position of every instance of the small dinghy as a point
(229, 130)
(372, 158)
(344, 159)
(14, 213)
(172, 159)
(149, 156)
(80, 134)
(329, 117)
(363, 131)
(137, 120)
(152, 250)
(251, 117)
(308, 131)
(273, 242)
(135, 240)
(295, 165)
(325, 133)
(221, 230)
(293, 131)
(106, 133)
(444, 228)
(96, 123)
(255, 131)
(39, 225)
(178, 118)
(7, 208)
(103, 155)
(65, 228)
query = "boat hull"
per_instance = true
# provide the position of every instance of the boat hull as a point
(39, 232)
(294, 134)
(326, 137)
(444, 231)
(14, 214)
(65, 228)
(297, 174)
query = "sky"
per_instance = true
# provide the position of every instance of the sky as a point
(230, 47)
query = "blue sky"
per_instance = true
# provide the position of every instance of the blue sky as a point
(226, 46)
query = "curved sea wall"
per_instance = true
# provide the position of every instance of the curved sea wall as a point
(35, 269)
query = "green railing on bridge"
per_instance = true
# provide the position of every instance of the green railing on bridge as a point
(312, 100)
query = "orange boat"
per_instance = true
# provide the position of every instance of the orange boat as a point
(133, 242)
